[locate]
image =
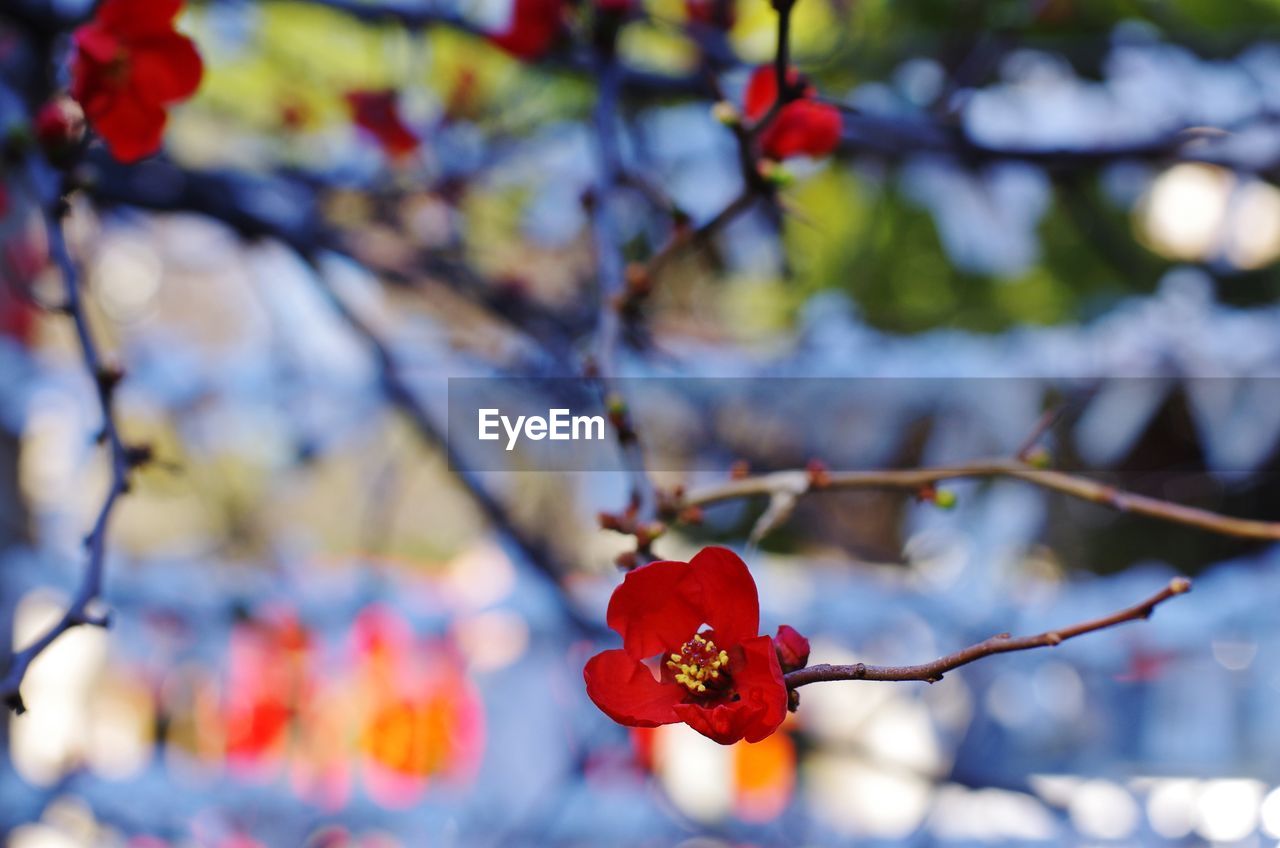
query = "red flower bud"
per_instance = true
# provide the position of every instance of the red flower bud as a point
(792, 648)
(59, 128)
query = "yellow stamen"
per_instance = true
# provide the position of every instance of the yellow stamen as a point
(699, 661)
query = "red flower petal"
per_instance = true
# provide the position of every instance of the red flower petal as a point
(762, 90)
(761, 704)
(165, 68)
(97, 42)
(654, 610)
(626, 691)
(378, 113)
(728, 597)
(132, 128)
(802, 128)
(535, 26)
(136, 19)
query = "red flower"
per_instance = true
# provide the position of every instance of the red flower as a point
(534, 28)
(378, 113)
(720, 14)
(802, 127)
(724, 682)
(129, 64)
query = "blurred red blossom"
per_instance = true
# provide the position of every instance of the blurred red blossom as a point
(724, 682)
(267, 679)
(23, 255)
(294, 114)
(721, 14)
(533, 30)
(615, 7)
(803, 127)
(129, 65)
(17, 316)
(378, 113)
(421, 719)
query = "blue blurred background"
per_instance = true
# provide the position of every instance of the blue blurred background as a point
(322, 637)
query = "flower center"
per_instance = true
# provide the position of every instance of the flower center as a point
(118, 67)
(699, 664)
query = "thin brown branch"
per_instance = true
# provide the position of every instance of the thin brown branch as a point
(755, 186)
(684, 238)
(932, 672)
(611, 271)
(1047, 420)
(915, 479)
(786, 91)
(122, 461)
(400, 395)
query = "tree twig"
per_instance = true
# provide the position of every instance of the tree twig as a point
(402, 397)
(693, 237)
(932, 672)
(799, 482)
(610, 271)
(123, 459)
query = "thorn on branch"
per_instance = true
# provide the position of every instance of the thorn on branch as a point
(78, 617)
(136, 456)
(108, 377)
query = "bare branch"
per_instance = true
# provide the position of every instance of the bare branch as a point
(122, 461)
(402, 397)
(932, 672)
(610, 270)
(1047, 420)
(687, 237)
(916, 479)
